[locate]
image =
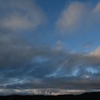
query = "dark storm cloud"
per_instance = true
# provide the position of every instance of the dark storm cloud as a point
(74, 83)
(20, 64)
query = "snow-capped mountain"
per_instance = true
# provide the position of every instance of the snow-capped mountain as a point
(48, 91)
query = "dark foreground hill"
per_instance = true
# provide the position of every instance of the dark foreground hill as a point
(85, 96)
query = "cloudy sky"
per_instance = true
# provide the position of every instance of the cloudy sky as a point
(50, 44)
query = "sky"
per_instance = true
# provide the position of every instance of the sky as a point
(51, 44)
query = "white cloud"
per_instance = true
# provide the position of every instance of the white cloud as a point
(96, 52)
(21, 15)
(96, 14)
(97, 8)
(78, 16)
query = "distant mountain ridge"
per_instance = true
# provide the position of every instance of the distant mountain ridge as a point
(47, 91)
(84, 96)
(39, 91)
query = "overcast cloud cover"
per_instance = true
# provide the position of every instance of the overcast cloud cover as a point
(33, 58)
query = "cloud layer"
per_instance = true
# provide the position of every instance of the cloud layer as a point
(78, 16)
(17, 15)
(36, 67)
